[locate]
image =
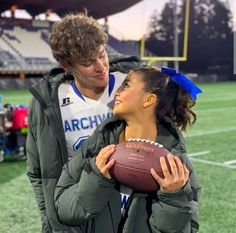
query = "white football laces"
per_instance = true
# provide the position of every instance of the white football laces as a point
(145, 140)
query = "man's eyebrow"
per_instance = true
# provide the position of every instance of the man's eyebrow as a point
(85, 60)
(93, 57)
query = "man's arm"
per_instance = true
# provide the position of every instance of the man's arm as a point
(34, 173)
(124, 63)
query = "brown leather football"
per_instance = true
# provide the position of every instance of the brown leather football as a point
(133, 161)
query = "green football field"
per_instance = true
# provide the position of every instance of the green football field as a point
(211, 147)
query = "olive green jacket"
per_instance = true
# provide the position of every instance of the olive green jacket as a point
(88, 200)
(46, 144)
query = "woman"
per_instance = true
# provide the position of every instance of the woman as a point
(151, 105)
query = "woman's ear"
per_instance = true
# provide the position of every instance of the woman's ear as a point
(150, 100)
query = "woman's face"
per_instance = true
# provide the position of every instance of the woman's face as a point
(130, 96)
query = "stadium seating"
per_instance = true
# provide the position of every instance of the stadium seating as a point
(24, 47)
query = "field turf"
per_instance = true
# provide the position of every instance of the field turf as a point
(211, 147)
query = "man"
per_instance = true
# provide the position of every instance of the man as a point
(68, 104)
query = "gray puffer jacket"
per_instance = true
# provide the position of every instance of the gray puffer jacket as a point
(46, 144)
(88, 200)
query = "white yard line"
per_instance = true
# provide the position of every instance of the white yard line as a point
(198, 153)
(217, 109)
(217, 99)
(230, 162)
(213, 163)
(226, 164)
(209, 132)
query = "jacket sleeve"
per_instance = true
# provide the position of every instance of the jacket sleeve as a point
(124, 63)
(179, 209)
(82, 191)
(34, 172)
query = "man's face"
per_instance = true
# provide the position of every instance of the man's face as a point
(93, 73)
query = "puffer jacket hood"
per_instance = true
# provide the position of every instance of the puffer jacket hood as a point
(45, 90)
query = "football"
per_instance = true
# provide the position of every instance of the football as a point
(133, 161)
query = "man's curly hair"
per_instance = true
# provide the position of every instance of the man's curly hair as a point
(76, 38)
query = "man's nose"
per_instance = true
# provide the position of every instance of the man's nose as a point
(100, 66)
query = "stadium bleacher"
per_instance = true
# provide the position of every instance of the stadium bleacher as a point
(122, 46)
(24, 47)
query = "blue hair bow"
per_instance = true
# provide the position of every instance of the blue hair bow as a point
(182, 81)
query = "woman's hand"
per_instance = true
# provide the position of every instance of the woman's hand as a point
(101, 160)
(175, 178)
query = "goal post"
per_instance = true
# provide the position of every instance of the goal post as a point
(170, 58)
